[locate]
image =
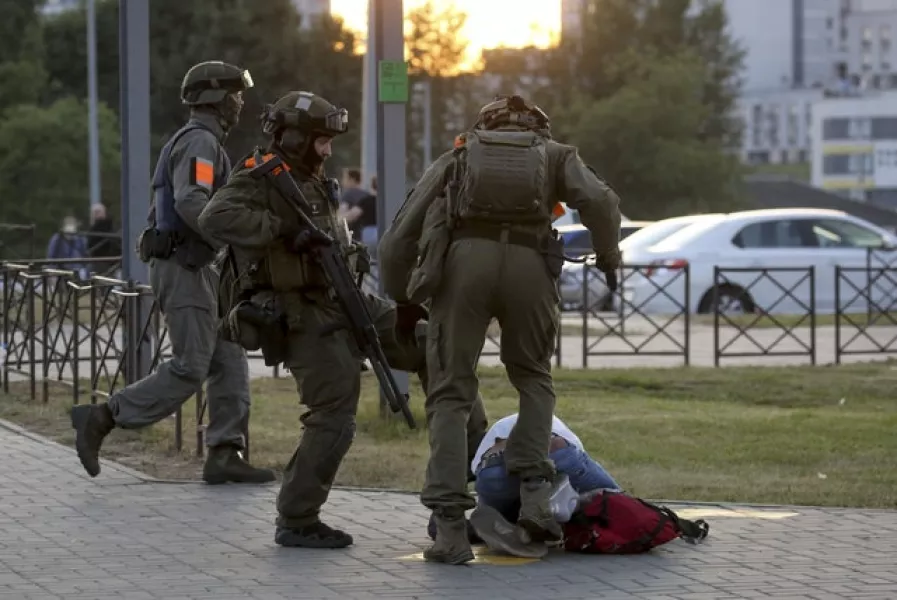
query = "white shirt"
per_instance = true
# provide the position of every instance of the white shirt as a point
(502, 429)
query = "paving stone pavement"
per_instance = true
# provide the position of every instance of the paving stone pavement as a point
(63, 535)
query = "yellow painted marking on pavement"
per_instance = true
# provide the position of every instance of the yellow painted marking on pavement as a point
(735, 513)
(482, 556)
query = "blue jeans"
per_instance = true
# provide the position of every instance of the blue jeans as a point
(496, 488)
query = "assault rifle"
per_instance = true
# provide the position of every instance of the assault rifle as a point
(331, 260)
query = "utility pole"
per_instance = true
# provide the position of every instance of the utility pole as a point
(93, 133)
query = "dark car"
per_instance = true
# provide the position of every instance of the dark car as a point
(578, 240)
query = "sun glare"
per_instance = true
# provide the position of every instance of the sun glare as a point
(490, 24)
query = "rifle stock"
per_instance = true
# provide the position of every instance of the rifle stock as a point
(351, 301)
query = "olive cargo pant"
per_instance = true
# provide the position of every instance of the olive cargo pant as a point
(483, 279)
(189, 302)
(328, 378)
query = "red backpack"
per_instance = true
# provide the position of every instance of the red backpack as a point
(616, 523)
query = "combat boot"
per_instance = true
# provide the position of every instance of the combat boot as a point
(316, 535)
(452, 545)
(500, 535)
(225, 464)
(535, 511)
(92, 423)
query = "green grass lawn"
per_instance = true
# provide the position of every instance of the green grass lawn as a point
(802, 435)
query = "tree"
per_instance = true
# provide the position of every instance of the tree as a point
(333, 68)
(435, 48)
(664, 143)
(646, 139)
(65, 41)
(44, 164)
(264, 37)
(21, 54)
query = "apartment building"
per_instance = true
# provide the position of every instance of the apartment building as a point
(856, 153)
(54, 7)
(311, 9)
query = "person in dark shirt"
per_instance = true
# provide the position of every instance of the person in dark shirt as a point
(102, 239)
(367, 213)
(352, 194)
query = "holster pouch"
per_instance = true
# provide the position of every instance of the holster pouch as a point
(362, 258)
(255, 327)
(432, 249)
(194, 254)
(153, 243)
(553, 251)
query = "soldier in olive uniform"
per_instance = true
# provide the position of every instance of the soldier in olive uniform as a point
(493, 198)
(191, 166)
(277, 277)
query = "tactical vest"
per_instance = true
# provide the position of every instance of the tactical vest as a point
(287, 271)
(162, 215)
(504, 178)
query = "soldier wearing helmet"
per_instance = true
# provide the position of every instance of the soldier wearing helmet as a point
(475, 239)
(279, 282)
(191, 166)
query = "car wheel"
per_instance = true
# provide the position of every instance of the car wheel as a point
(731, 300)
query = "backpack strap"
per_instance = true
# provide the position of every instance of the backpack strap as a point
(453, 188)
(690, 531)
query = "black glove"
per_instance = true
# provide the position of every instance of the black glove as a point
(308, 239)
(407, 316)
(611, 278)
(608, 263)
(362, 259)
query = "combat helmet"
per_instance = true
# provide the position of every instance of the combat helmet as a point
(298, 118)
(307, 113)
(211, 81)
(512, 110)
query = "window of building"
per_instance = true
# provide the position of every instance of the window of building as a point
(793, 125)
(859, 128)
(884, 37)
(867, 61)
(835, 129)
(757, 125)
(860, 164)
(772, 124)
(884, 128)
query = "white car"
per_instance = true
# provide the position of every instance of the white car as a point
(573, 297)
(751, 241)
(571, 217)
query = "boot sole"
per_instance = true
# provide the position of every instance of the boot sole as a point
(538, 533)
(220, 480)
(483, 519)
(455, 559)
(317, 544)
(80, 415)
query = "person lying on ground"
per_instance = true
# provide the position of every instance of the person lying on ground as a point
(498, 492)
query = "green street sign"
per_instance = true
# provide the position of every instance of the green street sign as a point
(392, 81)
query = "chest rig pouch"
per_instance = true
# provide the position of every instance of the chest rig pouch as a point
(288, 271)
(504, 178)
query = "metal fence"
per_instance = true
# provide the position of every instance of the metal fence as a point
(96, 333)
(794, 293)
